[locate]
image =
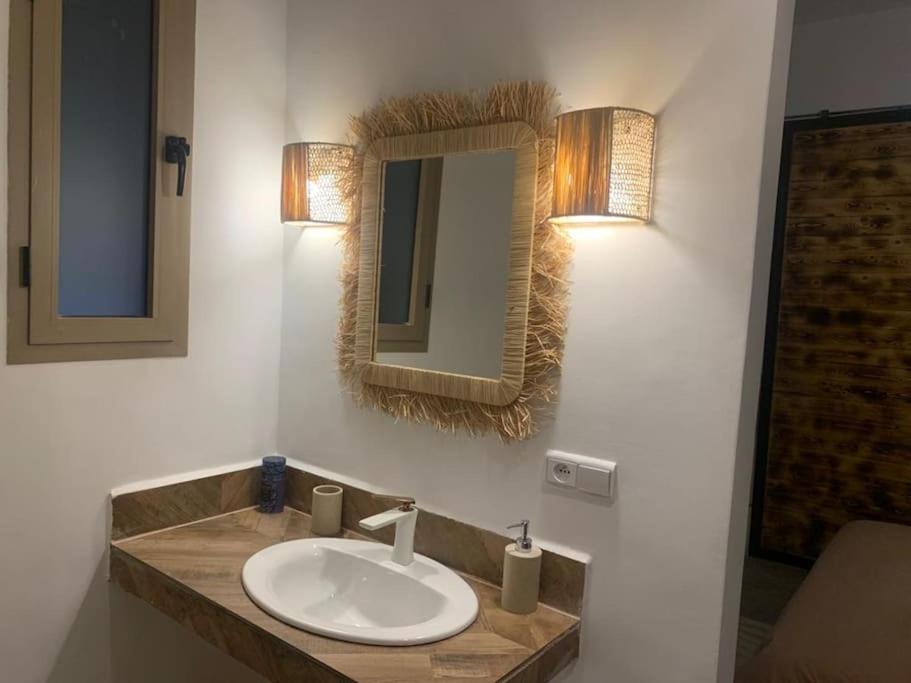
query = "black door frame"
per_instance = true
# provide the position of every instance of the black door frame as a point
(792, 126)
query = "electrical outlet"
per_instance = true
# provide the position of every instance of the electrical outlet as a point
(561, 472)
(589, 475)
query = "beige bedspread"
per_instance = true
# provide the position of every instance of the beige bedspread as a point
(850, 621)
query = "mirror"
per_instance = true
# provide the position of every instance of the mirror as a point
(453, 306)
(445, 231)
(444, 275)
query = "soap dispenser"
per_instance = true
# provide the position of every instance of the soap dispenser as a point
(521, 573)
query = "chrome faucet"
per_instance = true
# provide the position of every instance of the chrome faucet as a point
(404, 517)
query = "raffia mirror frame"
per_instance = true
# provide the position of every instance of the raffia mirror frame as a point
(515, 115)
(516, 136)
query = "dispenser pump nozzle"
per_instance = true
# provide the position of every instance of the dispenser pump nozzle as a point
(523, 542)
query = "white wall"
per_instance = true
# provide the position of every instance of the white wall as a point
(858, 61)
(655, 353)
(471, 268)
(752, 371)
(71, 432)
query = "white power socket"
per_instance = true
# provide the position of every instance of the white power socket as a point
(561, 472)
(581, 472)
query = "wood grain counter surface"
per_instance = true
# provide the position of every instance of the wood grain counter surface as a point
(192, 573)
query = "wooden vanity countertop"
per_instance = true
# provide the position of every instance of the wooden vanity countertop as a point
(192, 573)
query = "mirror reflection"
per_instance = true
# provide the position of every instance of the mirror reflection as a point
(444, 260)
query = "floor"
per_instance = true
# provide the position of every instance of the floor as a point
(751, 638)
(767, 587)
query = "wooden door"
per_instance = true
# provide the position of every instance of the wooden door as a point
(834, 436)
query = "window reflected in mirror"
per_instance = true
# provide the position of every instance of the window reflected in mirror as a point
(444, 262)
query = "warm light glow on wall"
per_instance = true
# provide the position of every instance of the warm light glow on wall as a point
(603, 166)
(311, 193)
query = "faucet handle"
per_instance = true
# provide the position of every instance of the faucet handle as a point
(405, 503)
(523, 542)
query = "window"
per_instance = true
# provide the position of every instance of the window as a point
(411, 202)
(100, 109)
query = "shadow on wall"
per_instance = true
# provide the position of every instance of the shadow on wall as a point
(347, 88)
(84, 654)
(116, 637)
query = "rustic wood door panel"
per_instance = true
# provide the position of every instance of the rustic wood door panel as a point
(834, 437)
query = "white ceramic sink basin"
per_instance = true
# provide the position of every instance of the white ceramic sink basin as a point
(351, 590)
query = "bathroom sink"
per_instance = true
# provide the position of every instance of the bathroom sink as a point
(351, 590)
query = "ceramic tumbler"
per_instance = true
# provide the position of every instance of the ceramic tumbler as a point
(327, 510)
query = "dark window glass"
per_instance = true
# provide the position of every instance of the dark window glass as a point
(105, 164)
(400, 204)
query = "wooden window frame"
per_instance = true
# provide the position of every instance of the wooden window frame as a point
(414, 336)
(35, 330)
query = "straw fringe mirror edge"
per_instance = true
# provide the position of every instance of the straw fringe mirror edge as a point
(529, 102)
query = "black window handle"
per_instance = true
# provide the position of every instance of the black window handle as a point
(176, 151)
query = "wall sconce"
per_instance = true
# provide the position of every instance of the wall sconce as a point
(603, 166)
(311, 190)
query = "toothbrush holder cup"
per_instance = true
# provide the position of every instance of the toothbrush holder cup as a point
(327, 510)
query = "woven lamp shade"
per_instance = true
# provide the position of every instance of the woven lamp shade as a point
(603, 166)
(311, 194)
